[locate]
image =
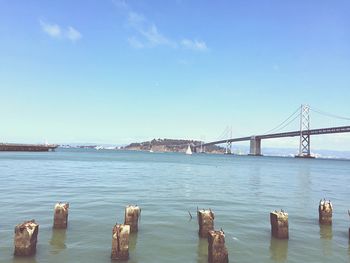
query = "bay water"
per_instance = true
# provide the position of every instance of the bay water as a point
(241, 191)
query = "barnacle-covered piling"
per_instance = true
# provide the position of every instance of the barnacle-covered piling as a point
(279, 224)
(60, 218)
(325, 211)
(349, 228)
(26, 236)
(205, 222)
(132, 214)
(217, 251)
(120, 242)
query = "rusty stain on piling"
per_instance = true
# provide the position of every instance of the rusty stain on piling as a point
(60, 219)
(279, 224)
(205, 222)
(26, 236)
(217, 251)
(325, 210)
(120, 242)
(132, 214)
(349, 228)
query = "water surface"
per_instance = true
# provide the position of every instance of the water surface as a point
(241, 191)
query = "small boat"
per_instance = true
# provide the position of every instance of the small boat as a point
(98, 148)
(151, 151)
(189, 151)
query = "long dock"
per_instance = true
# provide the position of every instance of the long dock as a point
(15, 147)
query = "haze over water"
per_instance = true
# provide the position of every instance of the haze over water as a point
(241, 191)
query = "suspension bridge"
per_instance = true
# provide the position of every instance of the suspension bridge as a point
(304, 133)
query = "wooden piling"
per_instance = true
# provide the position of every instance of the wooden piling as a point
(325, 210)
(120, 242)
(279, 224)
(217, 251)
(60, 219)
(349, 228)
(132, 214)
(205, 222)
(26, 236)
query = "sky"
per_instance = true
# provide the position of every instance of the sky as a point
(117, 71)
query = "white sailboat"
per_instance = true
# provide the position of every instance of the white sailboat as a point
(189, 151)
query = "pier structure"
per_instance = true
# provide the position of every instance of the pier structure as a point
(132, 214)
(120, 242)
(205, 222)
(26, 236)
(279, 224)
(304, 133)
(60, 218)
(15, 147)
(217, 251)
(255, 146)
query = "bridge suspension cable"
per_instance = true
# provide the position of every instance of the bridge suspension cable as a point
(224, 134)
(329, 114)
(286, 122)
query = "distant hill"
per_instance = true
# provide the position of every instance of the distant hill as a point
(171, 145)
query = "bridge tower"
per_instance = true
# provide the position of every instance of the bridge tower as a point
(304, 146)
(229, 144)
(228, 147)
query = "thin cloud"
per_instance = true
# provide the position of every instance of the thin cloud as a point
(146, 34)
(135, 43)
(155, 38)
(194, 45)
(73, 34)
(121, 4)
(135, 19)
(52, 30)
(55, 31)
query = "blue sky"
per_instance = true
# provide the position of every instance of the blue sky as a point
(113, 71)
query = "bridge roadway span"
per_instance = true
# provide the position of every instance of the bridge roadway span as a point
(255, 141)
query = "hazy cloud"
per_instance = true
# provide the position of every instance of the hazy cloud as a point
(73, 34)
(52, 30)
(135, 43)
(120, 4)
(55, 31)
(154, 37)
(135, 19)
(194, 45)
(147, 33)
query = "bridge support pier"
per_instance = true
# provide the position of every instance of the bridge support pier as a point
(255, 146)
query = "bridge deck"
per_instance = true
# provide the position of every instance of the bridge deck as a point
(341, 129)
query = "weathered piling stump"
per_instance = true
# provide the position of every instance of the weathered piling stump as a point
(349, 228)
(26, 236)
(120, 242)
(60, 218)
(325, 210)
(279, 224)
(217, 251)
(205, 222)
(132, 214)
